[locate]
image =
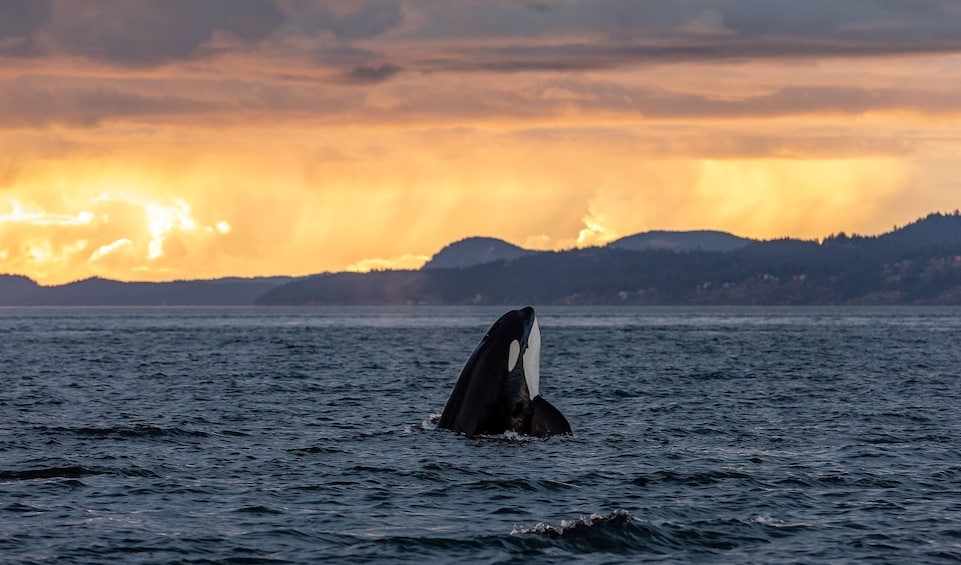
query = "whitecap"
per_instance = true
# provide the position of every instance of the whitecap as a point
(568, 526)
(431, 422)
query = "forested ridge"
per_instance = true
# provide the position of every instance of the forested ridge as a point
(919, 263)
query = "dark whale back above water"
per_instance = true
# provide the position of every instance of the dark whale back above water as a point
(498, 388)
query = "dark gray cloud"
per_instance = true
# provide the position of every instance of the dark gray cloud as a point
(370, 20)
(676, 18)
(356, 19)
(890, 19)
(19, 21)
(585, 57)
(20, 18)
(151, 32)
(597, 34)
(146, 32)
(483, 35)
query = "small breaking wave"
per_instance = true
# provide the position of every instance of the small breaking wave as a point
(617, 532)
(621, 532)
(575, 528)
(430, 423)
(508, 437)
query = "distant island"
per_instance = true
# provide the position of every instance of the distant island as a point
(21, 291)
(919, 263)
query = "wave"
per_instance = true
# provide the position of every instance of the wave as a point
(430, 423)
(692, 479)
(22, 508)
(123, 432)
(618, 532)
(584, 526)
(258, 509)
(71, 472)
(621, 532)
(530, 485)
(315, 450)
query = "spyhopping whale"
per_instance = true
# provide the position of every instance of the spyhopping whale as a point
(498, 389)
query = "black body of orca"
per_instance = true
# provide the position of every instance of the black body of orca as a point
(498, 388)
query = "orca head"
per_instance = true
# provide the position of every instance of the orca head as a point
(519, 330)
(512, 345)
(532, 414)
(499, 387)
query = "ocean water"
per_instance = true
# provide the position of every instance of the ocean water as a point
(261, 435)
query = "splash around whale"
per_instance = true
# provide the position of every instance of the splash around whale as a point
(498, 389)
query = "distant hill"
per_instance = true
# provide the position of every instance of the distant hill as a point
(21, 291)
(474, 251)
(479, 250)
(703, 240)
(917, 264)
(16, 290)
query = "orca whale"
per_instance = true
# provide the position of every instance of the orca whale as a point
(498, 389)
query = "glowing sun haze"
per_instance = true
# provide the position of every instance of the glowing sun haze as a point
(158, 140)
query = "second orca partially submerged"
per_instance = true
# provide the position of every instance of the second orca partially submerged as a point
(498, 389)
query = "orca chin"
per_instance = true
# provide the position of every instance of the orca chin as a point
(498, 389)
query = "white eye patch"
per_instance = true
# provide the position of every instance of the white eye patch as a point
(513, 355)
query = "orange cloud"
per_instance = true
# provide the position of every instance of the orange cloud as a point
(292, 137)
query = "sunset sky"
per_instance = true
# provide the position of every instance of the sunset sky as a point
(172, 139)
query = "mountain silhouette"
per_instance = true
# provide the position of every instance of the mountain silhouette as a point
(474, 251)
(919, 263)
(21, 291)
(701, 240)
